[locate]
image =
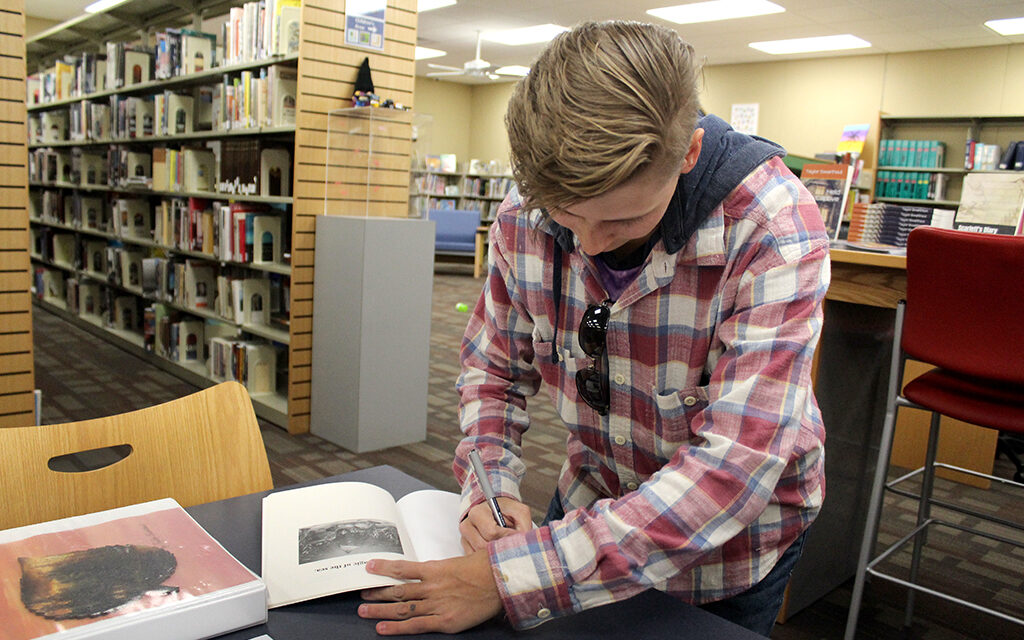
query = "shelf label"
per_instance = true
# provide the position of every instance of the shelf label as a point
(364, 23)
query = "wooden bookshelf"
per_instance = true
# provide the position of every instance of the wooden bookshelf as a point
(17, 373)
(326, 71)
(953, 131)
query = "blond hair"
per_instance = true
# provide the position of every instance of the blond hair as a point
(601, 103)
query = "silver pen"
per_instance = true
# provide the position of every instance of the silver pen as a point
(485, 486)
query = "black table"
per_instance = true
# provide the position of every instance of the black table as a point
(236, 524)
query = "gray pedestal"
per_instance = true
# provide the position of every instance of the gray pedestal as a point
(371, 331)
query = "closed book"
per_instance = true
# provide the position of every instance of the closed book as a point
(991, 203)
(1009, 155)
(142, 571)
(829, 184)
(1018, 156)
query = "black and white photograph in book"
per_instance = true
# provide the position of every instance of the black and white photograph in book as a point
(337, 539)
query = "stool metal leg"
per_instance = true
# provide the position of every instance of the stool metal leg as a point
(924, 509)
(867, 545)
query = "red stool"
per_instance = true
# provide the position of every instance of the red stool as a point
(964, 314)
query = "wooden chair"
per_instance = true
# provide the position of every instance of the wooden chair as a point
(203, 447)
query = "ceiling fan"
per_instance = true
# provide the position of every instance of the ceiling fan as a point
(475, 68)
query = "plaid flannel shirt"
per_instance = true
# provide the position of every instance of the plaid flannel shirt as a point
(710, 462)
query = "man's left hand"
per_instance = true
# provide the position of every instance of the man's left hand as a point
(452, 595)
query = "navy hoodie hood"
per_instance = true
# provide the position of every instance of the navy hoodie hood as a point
(726, 158)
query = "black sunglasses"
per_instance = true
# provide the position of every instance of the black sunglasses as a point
(592, 382)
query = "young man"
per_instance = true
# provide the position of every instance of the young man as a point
(663, 275)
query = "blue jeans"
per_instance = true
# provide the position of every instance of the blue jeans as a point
(757, 607)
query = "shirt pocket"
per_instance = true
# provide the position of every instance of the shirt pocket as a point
(559, 374)
(674, 412)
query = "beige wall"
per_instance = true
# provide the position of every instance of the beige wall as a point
(803, 104)
(489, 141)
(450, 106)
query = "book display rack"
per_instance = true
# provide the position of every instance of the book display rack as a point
(175, 171)
(923, 160)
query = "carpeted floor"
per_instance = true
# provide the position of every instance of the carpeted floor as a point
(82, 376)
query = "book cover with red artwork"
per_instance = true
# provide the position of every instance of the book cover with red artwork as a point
(142, 571)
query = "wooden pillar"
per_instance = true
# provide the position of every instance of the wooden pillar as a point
(327, 73)
(17, 374)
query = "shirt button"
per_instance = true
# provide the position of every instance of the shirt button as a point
(689, 401)
(544, 613)
(632, 486)
(620, 379)
(619, 440)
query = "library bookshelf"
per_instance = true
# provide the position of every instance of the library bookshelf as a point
(17, 373)
(324, 71)
(432, 189)
(955, 133)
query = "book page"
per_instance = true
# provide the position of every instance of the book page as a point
(318, 539)
(431, 518)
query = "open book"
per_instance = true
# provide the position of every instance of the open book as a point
(318, 539)
(143, 571)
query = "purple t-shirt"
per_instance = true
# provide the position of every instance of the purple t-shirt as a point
(615, 281)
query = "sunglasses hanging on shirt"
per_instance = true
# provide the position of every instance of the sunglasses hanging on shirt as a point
(592, 382)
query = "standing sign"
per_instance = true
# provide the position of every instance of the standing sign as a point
(364, 23)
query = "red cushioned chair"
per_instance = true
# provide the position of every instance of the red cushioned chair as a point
(964, 314)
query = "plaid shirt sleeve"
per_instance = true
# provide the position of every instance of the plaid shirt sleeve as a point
(708, 524)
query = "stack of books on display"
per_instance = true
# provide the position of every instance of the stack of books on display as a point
(890, 224)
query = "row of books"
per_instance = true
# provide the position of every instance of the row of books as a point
(235, 295)
(245, 100)
(487, 208)
(431, 183)
(916, 185)
(248, 233)
(251, 167)
(180, 52)
(259, 30)
(890, 224)
(1013, 158)
(486, 187)
(252, 32)
(911, 153)
(983, 157)
(262, 99)
(244, 167)
(238, 232)
(252, 363)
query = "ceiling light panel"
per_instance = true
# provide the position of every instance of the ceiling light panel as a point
(1007, 27)
(715, 10)
(809, 45)
(525, 35)
(430, 5)
(426, 53)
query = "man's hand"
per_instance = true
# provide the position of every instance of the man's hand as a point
(451, 595)
(479, 527)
